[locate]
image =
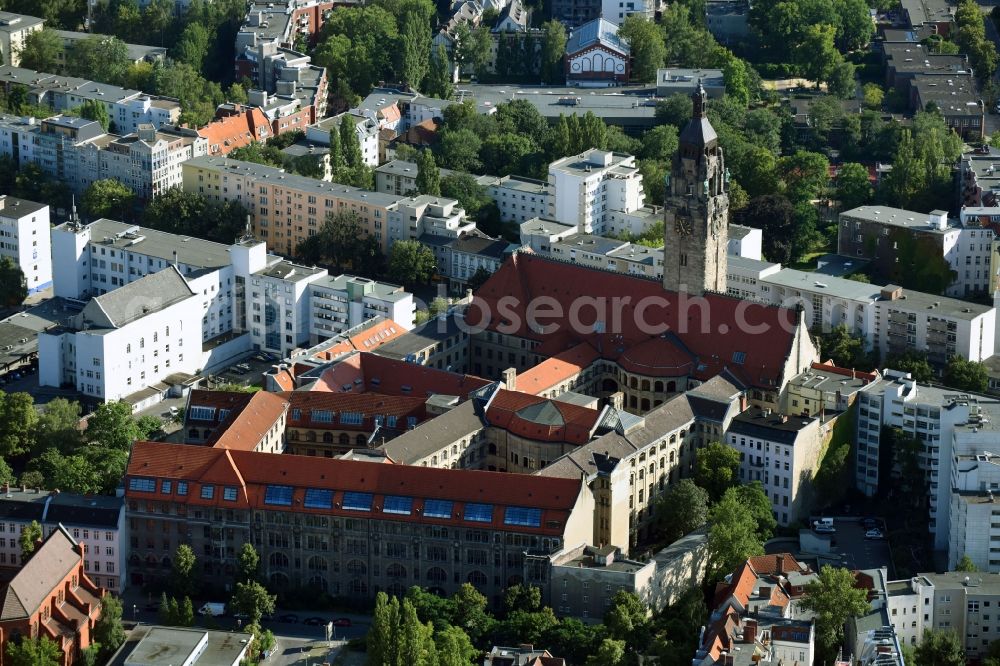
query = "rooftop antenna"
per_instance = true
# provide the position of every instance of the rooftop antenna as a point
(74, 217)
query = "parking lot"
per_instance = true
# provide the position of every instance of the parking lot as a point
(246, 372)
(858, 551)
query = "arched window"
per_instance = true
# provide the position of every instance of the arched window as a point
(396, 590)
(645, 384)
(478, 578)
(278, 560)
(279, 580)
(493, 449)
(344, 439)
(316, 563)
(357, 568)
(436, 575)
(358, 588)
(328, 438)
(658, 386)
(395, 570)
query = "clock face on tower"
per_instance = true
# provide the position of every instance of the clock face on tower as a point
(683, 226)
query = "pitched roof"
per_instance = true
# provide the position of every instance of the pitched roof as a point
(252, 472)
(541, 419)
(367, 404)
(245, 426)
(229, 132)
(54, 559)
(550, 372)
(598, 31)
(362, 372)
(152, 293)
(430, 437)
(701, 330)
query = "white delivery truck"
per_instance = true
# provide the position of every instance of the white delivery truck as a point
(213, 609)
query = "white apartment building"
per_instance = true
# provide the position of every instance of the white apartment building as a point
(127, 108)
(588, 187)
(278, 312)
(425, 214)
(24, 237)
(779, 451)
(365, 128)
(339, 303)
(890, 319)
(745, 242)
(149, 162)
(520, 199)
(14, 28)
(96, 521)
(126, 340)
(883, 234)
(946, 421)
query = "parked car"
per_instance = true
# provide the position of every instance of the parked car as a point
(823, 528)
(874, 534)
(314, 621)
(290, 618)
(342, 622)
(213, 609)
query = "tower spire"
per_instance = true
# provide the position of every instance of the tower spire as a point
(699, 99)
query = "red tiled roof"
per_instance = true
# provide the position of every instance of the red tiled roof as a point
(713, 330)
(247, 419)
(367, 404)
(540, 418)
(829, 366)
(363, 372)
(769, 564)
(229, 132)
(556, 369)
(252, 472)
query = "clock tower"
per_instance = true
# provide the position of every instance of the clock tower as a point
(696, 209)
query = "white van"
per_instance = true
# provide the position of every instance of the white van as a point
(212, 609)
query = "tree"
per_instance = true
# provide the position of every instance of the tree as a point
(252, 599)
(731, 538)
(675, 110)
(99, 58)
(411, 263)
(627, 619)
(350, 145)
(184, 579)
(41, 651)
(845, 349)
(873, 96)
(680, 510)
(756, 506)
(7, 473)
(108, 630)
(185, 612)
(478, 279)
(192, 214)
(382, 636)
(609, 653)
(805, 175)
(112, 426)
(504, 154)
(95, 110)
(438, 83)
(31, 534)
(192, 47)
(834, 599)
(107, 198)
(965, 375)
(428, 179)
(939, 648)
(416, 640)
(459, 150)
(816, 54)
(41, 50)
(648, 50)
(521, 597)
(248, 562)
(853, 186)
(341, 242)
(473, 47)
(774, 214)
(966, 564)
(18, 420)
(659, 143)
(470, 612)
(717, 468)
(553, 50)
(13, 287)
(855, 28)
(414, 49)
(841, 82)
(738, 81)
(913, 362)
(454, 647)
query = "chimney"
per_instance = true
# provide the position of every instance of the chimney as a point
(749, 631)
(617, 400)
(510, 379)
(175, 259)
(781, 564)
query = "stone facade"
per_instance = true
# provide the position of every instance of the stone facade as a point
(696, 214)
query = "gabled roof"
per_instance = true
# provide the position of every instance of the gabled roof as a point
(541, 419)
(368, 404)
(711, 335)
(248, 421)
(152, 293)
(597, 32)
(229, 132)
(253, 472)
(52, 562)
(361, 372)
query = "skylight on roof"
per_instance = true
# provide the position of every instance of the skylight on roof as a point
(478, 513)
(516, 515)
(278, 495)
(397, 504)
(318, 498)
(739, 357)
(358, 501)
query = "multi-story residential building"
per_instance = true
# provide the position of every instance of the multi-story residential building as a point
(125, 340)
(14, 28)
(728, 20)
(745, 242)
(589, 187)
(127, 109)
(965, 603)
(236, 127)
(824, 389)
(426, 215)
(520, 199)
(585, 578)
(52, 597)
(237, 421)
(285, 208)
(347, 527)
(97, 522)
(365, 128)
(77, 152)
(957, 98)
(756, 620)
(947, 421)
(896, 241)
(782, 453)
(979, 179)
(287, 24)
(459, 259)
(279, 317)
(25, 239)
(890, 319)
(615, 11)
(340, 303)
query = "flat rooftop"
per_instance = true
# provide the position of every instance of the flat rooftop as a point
(292, 272)
(898, 217)
(171, 646)
(629, 106)
(190, 251)
(813, 283)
